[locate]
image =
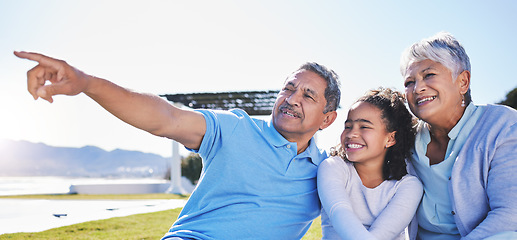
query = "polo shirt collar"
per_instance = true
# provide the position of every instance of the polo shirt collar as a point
(274, 137)
(314, 153)
(463, 120)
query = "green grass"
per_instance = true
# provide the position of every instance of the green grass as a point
(315, 230)
(140, 226)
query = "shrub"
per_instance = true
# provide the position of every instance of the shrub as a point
(191, 167)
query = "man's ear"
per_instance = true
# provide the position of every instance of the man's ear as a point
(330, 117)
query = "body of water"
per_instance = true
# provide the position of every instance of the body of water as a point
(56, 185)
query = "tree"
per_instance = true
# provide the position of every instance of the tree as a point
(191, 167)
(511, 99)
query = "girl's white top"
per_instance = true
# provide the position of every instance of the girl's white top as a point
(353, 211)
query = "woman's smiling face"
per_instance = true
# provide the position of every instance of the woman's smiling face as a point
(431, 93)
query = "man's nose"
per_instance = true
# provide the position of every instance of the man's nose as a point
(294, 98)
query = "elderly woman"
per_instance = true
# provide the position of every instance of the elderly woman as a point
(464, 154)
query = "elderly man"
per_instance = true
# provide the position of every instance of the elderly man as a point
(259, 177)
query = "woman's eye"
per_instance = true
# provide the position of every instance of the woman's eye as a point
(429, 75)
(408, 83)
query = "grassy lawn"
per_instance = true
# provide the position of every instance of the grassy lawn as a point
(140, 226)
(315, 230)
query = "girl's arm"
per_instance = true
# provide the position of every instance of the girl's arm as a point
(400, 210)
(332, 179)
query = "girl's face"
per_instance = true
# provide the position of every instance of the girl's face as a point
(365, 138)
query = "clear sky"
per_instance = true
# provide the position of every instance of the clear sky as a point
(165, 47)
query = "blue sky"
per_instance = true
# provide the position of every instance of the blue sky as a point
(204, 46)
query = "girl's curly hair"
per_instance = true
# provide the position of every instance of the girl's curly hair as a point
(397, 118)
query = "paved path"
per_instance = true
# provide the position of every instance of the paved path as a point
(35, 215)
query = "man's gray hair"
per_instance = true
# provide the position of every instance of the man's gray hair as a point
(332, 92)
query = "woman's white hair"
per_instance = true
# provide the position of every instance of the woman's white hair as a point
(442, 48)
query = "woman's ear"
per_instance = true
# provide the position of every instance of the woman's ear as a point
(464, 81)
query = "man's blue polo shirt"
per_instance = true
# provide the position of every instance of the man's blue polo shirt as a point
(253, 184)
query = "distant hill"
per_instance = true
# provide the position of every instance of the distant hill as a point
(23, 158)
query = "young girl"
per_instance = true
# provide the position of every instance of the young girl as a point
(364, 187)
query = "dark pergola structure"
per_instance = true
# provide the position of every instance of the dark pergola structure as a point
(253, 102)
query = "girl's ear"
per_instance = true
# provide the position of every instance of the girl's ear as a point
(391, 139)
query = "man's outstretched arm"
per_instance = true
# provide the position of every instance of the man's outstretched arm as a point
(144, 111)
